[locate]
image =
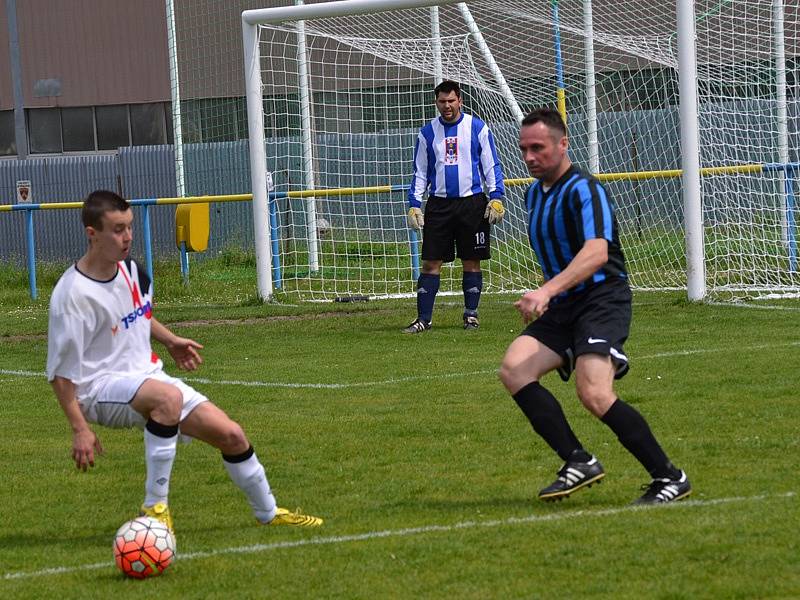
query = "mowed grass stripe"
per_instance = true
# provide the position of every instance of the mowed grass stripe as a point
(411, 531)
(413, 378)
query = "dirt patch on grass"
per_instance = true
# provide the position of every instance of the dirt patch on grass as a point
(31, 337)
(35, 337)
(274, 318)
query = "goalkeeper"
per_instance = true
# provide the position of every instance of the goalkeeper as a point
(454, 157)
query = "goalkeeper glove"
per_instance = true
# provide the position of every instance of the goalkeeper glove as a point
(415, 219)
(494, 211)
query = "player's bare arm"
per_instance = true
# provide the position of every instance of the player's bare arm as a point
(183, 350)
(587, 261)
(84, 441)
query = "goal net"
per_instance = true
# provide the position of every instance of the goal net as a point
(344, 97)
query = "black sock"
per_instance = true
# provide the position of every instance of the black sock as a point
(161, 430)
(238, 458)
(548, 420)
(635, 435)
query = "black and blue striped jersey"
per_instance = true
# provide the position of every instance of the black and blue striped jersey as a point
(575, 209)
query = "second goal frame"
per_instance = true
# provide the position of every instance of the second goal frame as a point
(690, 143)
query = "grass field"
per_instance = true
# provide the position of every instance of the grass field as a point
(423, 468)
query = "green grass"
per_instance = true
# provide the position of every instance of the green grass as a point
(418, 441)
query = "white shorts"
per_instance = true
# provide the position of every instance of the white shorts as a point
(109, 402)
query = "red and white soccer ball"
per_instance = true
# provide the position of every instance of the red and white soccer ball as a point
(143, 547)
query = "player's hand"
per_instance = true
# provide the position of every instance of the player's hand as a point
(533, 304)
(84, 444)
(495, 211)
(184, 352)
(415, 219)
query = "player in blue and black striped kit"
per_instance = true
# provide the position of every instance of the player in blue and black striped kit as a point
(454, 157)
(579, 318)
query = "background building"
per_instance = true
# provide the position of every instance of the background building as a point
(93, 75)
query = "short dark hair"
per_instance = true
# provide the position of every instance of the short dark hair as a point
(99, 203)
(550, 117)
(446, 87)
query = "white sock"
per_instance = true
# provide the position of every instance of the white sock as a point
(251, 478)
(159, 454)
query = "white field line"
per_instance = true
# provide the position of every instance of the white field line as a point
(399, 533)
(411, 378)
(754, 306)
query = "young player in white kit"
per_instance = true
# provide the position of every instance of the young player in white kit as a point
(104, 371)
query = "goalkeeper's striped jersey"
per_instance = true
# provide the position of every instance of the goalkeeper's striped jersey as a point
(100, 327)
(575, 209)
(452, 160)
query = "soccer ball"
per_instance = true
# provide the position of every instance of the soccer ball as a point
(323, 227)
(143, 547)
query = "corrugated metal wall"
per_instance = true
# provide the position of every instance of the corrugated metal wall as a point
(223, 168)
(53, 179)
(135, 172)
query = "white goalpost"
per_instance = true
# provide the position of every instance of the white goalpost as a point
(690, 151)
(688, 113)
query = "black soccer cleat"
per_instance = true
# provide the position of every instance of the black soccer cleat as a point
(471, 322)
(417, 326)
(572, 477)
(661, 491)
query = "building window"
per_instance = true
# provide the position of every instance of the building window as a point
(77, 129)
(217, 119)
(147, 124)
(112, 127)
(8, 140)
(44, 129)
(89, 129)
(170, 130)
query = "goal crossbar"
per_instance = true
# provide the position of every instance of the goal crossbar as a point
(339, 8)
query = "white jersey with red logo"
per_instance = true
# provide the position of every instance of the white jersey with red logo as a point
(100, 327)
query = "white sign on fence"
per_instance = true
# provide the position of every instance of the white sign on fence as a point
(24, 193)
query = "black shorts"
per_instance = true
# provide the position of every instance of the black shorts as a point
(594, 321)
(458, 221)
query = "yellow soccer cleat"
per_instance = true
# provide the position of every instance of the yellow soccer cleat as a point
(160, 512)
(298, 519)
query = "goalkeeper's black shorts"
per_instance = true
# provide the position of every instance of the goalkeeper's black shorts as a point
(456, 227)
